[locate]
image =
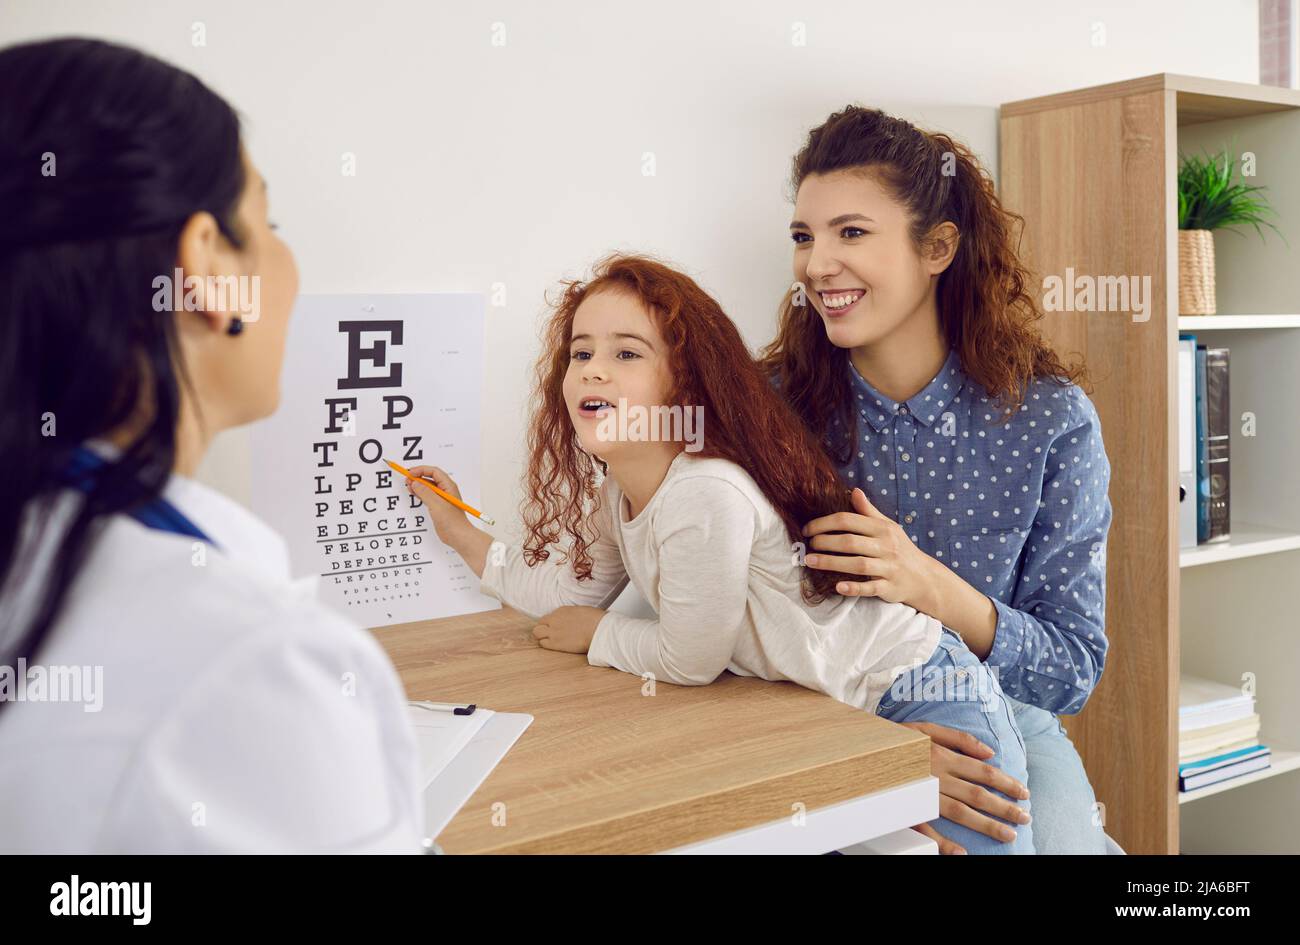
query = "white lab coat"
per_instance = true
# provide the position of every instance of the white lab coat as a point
(237, 713)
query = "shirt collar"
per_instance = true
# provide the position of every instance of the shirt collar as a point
(236, 532)
(925, 406)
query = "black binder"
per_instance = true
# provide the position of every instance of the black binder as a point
(1218, 436)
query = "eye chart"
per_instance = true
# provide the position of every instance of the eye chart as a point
(368, 378)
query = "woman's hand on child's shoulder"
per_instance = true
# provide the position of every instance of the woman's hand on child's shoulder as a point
(871, 545)
(568, 629)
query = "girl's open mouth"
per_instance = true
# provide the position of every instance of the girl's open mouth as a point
(593, 406)
(837, 302)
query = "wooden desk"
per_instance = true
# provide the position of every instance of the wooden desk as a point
(606, 768)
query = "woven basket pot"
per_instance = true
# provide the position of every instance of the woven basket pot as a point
(1196, 272)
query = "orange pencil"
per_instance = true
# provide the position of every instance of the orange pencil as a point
(446, 495)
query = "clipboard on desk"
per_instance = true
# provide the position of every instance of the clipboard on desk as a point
(457, 753)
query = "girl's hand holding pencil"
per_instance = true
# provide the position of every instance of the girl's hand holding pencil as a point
(441, 497)
(449, 513)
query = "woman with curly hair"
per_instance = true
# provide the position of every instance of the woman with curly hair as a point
(908, 346)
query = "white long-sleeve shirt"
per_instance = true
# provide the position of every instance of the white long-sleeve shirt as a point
(227, 709)
(712, 557)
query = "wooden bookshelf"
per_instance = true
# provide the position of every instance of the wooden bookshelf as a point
(1093, 172)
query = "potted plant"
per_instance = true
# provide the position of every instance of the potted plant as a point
(1210, 197)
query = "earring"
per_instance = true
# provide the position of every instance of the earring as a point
(236, 326)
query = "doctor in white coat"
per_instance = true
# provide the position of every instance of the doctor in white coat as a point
(164, 687)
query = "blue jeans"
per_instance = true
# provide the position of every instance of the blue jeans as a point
(954, 688)
(1064, 820)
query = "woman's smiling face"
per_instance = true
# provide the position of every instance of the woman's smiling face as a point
(854, 253)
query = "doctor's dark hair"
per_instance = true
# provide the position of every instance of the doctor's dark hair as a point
(986, 311)
(105, 153)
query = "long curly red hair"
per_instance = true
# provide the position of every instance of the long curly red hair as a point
(985, 309)
(746, 421)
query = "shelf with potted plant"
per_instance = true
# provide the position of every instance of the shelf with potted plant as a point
(1212, 198)
(1214, 194)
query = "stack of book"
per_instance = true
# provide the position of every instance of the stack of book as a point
(1204, 431)
(1218, 734)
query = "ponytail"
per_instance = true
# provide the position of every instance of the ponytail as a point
(105, 153)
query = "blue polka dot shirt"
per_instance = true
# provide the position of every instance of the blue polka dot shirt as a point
(1020, 510)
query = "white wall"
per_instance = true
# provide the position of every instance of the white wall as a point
(520, 164)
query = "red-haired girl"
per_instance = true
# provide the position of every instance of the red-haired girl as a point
(661, 453)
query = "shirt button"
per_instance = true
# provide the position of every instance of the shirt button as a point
(906, 457)
(908, 518)
(902, 408)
